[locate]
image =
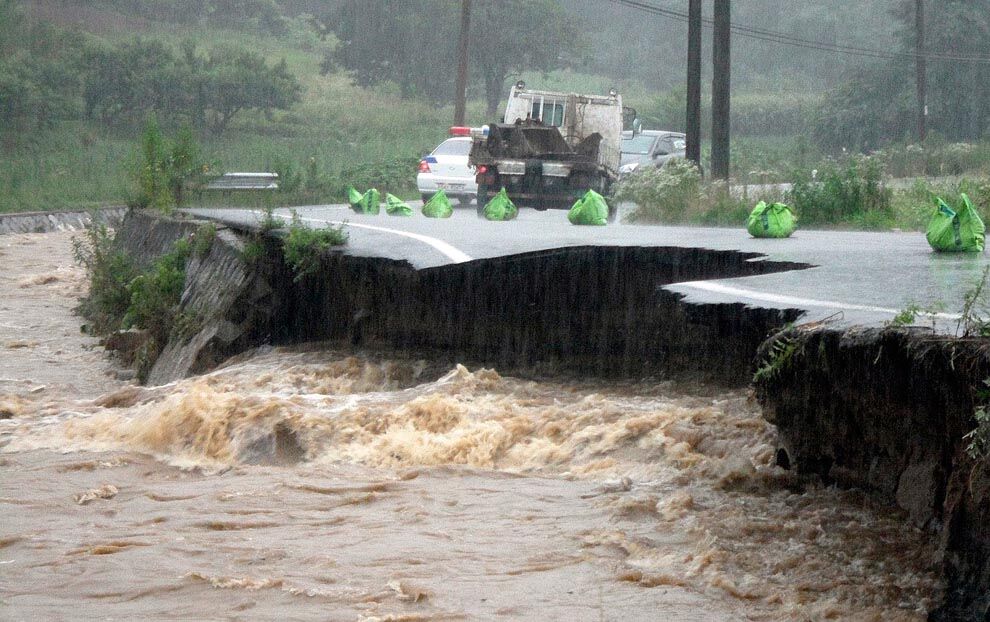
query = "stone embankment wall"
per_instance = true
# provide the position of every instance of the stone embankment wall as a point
(887, 411)
(43, 222)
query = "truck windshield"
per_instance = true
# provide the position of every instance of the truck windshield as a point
(637, 144)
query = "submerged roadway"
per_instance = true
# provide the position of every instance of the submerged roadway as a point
(853, 278)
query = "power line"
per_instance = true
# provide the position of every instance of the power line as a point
(785, 39)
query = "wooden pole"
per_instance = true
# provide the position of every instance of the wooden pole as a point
(720, 90)
(693, 125)
(921, 78)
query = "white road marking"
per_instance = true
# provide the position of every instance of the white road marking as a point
(448, 251)
(800, 303)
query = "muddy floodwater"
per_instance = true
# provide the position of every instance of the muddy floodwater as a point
(310, 484)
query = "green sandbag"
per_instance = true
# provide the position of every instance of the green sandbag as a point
(501, 207)
(438, 206)
(371, 202)
(771, 221)
(354, 198)
(591, 209)
(394, 206)
(956, 230)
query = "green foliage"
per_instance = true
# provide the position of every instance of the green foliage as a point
(264, 16)
(979, 436)
(779, 355)
(875, 104)
(109, 271)
(383, 42)
(851, 193)
(155, 295)
(253, 251)
(671, 193)
(202, 240)
(304, 246)
(934, 158)
(129, 81)
(269, 221)
(167, 168)
(974, 320)
(675, 193)
(38, 74)
(904, 317)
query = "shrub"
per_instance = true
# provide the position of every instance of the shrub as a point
(202, 240)
(167, 168)
(109, 271)
(304, 245)
(853, 193)
(155, 295)
(671, 193)
(934, 158)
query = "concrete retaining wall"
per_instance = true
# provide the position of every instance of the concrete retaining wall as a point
(43, 222)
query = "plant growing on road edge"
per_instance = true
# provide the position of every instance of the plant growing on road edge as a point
(304, 246)
(269, 221)
(778, 357)
(905, 317)
(202, 240)
(979, 437)
(973, 321)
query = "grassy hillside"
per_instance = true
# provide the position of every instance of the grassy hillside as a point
(336, 128)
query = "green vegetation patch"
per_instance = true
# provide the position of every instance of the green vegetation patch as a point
(304, 246)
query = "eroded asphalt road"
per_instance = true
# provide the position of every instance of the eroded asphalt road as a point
(855, 278)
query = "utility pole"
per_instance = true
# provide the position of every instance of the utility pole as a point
(693, 125)
(460, 100)
(720, 90)
(921, 78)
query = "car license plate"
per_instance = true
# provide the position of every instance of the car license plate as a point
(446, 186)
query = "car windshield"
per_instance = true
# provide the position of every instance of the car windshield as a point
(637, 144)
(453, 146)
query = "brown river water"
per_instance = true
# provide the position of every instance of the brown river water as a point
(313, 484)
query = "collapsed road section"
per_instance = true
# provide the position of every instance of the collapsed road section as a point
(886, 411)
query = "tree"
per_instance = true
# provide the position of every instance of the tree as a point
(510, 36)
(38, 84)
(125, 83)
(875, 103)
(383, 41)
(239, 80)
(414, 43)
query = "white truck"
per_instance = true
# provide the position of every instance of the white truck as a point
(550, 148)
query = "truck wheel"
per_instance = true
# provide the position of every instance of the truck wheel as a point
(482, 200)
(426, 198)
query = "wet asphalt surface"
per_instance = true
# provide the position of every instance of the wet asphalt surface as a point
(854, 278)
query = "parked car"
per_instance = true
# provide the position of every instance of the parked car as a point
(649, 148)
(447, 169)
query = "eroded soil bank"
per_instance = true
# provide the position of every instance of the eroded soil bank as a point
(899, 405)
(310, 482)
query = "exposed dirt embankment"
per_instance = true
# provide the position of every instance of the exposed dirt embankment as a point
(887, 411)
(590, 310)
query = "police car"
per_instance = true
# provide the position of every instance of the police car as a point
(447, 169)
